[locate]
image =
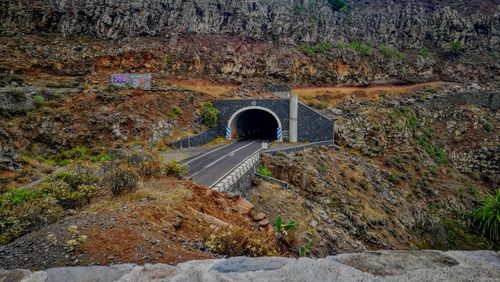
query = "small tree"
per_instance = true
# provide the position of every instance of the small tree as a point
(210, 115)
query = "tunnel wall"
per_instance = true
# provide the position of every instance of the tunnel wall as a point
(312, 125)
(228, 107)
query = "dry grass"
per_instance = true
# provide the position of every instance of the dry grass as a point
(329, 96)
(218, 141)
(202, 86)
(238, 241)
(158, 192)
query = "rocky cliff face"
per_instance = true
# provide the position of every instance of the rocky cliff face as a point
(401, 24)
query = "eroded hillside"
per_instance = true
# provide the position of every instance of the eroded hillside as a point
(412, 85)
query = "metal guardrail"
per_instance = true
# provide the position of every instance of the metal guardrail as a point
(300, 148)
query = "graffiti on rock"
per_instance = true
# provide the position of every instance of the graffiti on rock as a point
(137, 81)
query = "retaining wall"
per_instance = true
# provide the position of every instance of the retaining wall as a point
(313, 126)
(197, 140)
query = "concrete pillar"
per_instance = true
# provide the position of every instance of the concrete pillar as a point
(294, 115)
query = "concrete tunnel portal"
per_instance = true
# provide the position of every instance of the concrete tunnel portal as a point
(255, 123)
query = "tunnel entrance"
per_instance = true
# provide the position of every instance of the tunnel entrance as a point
(255, 124)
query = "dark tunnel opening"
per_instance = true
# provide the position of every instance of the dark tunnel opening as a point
(256, 124)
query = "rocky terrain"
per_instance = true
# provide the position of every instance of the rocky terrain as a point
(400, 180)
(413, 87)
(404, 24)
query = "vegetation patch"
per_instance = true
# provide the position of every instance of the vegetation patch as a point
(393, 53)
(238, 241)
(424, 52)
(210, 115)
(263, 170)
(339, 5)
(320, 48)
(176, 169)
(487, 216)
(455, 46)
(361, 48)
(175, 112)
(25, 210)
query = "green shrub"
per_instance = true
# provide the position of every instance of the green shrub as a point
(487, 216)
(38, 100)
(14, 196)
(77, 153)
(392, 52)
(121, 178)
(210, 115)
(101, 158)
(424, 52)
(455, 46)
(24, 211)
(320, 48)
(66, 196)
(176, 169)
(265, 171)
(283, 229)
(362, 49)
(71, 189)
(438, 154)
(412, 121)
(306, 250)
(298, 9)
(145, 163)
(339, 5)
(175, 112)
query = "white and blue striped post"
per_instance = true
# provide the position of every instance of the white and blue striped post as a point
(228, 133)
(279, 134)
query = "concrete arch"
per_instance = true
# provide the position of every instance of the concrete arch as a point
(232, 124)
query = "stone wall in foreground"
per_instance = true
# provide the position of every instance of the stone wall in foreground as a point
(374, 266)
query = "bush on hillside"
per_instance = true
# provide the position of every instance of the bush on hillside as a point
(176, 169)
(23, 211)
(145, 163)
(71, 189)
(238, 241)
(487, 216)
(120, 178)
(339, 5)
(210, 115)
(455, 46)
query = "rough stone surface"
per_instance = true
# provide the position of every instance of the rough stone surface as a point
(373, 266)
(15, 101)
(399, 23)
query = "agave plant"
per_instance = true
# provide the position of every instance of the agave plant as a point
(487, 216)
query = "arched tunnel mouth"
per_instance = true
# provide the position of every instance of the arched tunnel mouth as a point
(255, 124)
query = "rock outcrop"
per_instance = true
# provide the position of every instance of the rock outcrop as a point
(402, 24)
(375, 266)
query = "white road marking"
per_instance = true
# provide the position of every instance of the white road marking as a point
(216, 161)
(229, 154)
(209, 152)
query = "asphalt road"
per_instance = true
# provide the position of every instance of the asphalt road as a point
(210, 167)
